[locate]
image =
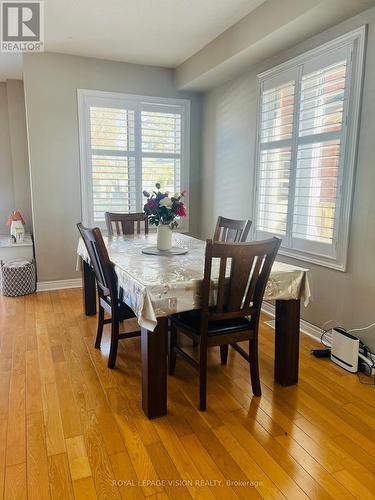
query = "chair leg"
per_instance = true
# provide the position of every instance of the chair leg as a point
(203, 378)
(224, 354)
(99, 332)
(254, 367)
(114, 343)
(172, 341)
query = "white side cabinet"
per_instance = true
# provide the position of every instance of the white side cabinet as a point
(12, 251)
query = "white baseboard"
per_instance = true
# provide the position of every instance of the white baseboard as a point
(46, 286)
(307, 328)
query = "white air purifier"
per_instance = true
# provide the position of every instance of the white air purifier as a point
(344, 350)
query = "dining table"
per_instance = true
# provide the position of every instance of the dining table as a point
(157, 286)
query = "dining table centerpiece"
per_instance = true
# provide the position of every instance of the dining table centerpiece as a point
(164, 211)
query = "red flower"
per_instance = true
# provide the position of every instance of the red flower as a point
(181, 211)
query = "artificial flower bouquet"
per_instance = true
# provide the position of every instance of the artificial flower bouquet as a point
(162, 209)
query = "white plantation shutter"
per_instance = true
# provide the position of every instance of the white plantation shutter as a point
(316, 193)
(161, 149)
(306, 151)
(113, 185)
(112, 173)
(277, 112)
(127, 145)
(275, 136)
(273, 190)
(321, 128)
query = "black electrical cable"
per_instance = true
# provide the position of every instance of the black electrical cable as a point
(367, 375)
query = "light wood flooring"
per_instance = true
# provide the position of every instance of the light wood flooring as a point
(71, 428)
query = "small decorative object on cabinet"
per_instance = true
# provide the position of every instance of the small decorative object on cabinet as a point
(16, 223)
(163, 211)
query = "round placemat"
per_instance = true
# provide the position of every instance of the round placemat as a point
(172, 251)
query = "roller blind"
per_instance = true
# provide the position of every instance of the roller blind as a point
(303, 182)
(127, 146)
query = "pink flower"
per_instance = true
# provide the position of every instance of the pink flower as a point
(181, 211)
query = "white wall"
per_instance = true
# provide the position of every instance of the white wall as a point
(51, 82)
(6, 173)
(18, 149)
(14, 165)
(228, 144)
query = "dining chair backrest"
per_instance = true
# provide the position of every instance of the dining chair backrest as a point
(231, 230)
(239, 287)
(103, 267)
(126, 223)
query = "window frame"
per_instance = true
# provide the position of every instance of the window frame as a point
(355, 40)
(87, 98)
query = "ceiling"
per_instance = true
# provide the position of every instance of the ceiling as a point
(270, 29)
(153, 32)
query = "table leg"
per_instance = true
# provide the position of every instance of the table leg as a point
(154, 369)
(89, 289)
(287, 341)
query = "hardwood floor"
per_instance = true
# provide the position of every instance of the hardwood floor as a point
(71, 428)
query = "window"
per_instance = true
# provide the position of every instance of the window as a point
(306, 149)
(127, 144)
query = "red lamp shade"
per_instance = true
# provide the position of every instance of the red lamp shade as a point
(15, 216)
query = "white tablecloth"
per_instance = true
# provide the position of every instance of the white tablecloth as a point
(162, 285)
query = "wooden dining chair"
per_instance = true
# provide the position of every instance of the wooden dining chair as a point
(231, 230)
(109, 302)
(126, 223)
(235, 315)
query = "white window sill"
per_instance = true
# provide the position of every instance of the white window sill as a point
(319, 260)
